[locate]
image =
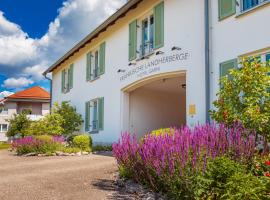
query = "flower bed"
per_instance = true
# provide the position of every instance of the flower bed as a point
(177, 163)
(45, 145)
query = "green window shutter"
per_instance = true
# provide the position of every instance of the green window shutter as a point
(88, 66)
(87, 116)
(159, 25)
(63, 81)
(102, 50)
(132, 40)
(226, 8)
(70, 77)
(226, 66)
(101, 113)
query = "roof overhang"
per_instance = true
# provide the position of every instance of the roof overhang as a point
(27, 100)
(131, 4)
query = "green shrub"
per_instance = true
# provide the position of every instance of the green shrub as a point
(246, 186)
(212, 183)
(83, 142)
(102, 148)
(44, 138)
(18, 124)
(70, 150)
(4, 145)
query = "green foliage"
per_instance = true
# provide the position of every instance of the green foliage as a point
(83, 142)
(124, 172)
(71, 119)
(18, 124)
(70, 150)
(212, 182)
(102, 148)
(4, 145)
(244, 97)
(49, 125)
(226, 179)
(246, 186)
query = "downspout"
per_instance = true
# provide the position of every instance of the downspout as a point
(207, 60)
(50, 80)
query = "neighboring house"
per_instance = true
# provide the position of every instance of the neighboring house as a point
(35, 101)
(157, 63)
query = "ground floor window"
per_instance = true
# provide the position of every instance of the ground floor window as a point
(94, 115)
(3, 127)
(248, 4)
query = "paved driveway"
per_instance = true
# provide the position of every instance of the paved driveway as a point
(56, 178)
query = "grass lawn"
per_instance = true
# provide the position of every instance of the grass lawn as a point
(4, 146)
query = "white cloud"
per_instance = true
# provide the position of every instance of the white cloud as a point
(21, 56)
(5, 94)
(13, 83)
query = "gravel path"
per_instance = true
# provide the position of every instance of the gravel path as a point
(56, 178)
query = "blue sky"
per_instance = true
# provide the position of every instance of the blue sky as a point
(35, 33)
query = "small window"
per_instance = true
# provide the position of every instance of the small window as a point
(94, 115)
(147, 45)
(248, 4)
(3, 127)
(267, 57)
(67, 79)
(3, 111)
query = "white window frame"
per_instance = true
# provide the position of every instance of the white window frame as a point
(3, 111)
(240, 9)
(1, 128)
(93, 123)
(94, 73)
(147, 16)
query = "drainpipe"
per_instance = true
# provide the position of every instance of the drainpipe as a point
(207, 60)
(45, 76)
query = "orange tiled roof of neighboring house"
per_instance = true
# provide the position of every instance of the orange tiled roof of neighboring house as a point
(35, 92)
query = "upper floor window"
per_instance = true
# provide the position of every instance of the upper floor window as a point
(147, 33)
(248, 4)
(94, 115)
(3, 111)
(147, 44)
(95, 62)
(67, 79)
(3, 127)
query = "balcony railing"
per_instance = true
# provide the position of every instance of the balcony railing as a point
(146, 48)
(35, 117)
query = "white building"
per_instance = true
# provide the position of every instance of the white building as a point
(34, 101)
(156, 64)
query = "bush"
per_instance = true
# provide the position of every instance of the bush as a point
(83, 142)
(170, 163)
(244, 97)
(38, 145)
(18, 125)
(102, 148)
(4, 145)
(71, 119)
(70, 150)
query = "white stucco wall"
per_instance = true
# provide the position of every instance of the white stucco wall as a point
(236, 36)
(180, 30)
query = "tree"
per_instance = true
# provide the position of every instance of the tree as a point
(71, 119)
(49, 125)
(244, 97)
(18, 124)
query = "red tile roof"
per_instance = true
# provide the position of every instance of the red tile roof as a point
(35, 92)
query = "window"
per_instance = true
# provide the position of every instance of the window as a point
(147, 45)
(3, 127)
(267, 57)
(226, 66)
(94, 115)
(95, 63)
(248, 4)
(147, 33)
(226, 8)
(67, 79)
(3, 111)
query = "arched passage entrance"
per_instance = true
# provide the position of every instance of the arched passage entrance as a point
(155, 102)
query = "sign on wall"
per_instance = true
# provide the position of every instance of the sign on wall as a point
(153, 66)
